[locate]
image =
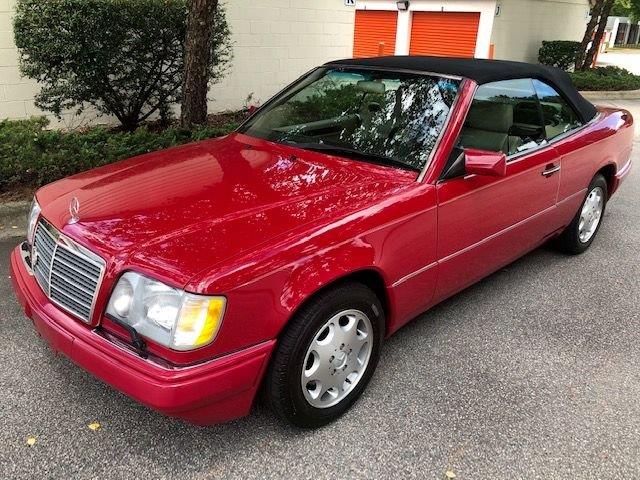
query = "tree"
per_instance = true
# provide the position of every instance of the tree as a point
(599, 14)
(122, 57)
(597, 38)
(627, 8)
(200, 24)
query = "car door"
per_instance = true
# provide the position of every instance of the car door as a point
(561, 125)
(486, 222)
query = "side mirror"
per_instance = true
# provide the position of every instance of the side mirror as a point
(484, 162)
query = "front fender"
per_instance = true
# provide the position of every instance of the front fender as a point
(393, 239)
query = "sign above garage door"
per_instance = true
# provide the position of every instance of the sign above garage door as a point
(445, 34)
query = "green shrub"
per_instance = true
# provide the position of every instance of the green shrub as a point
(31, 156)
(605, 78)
(559, 53)
(123, 57)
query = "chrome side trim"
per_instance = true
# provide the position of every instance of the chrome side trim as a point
(413, 274)
(496, 234)
(472, 246)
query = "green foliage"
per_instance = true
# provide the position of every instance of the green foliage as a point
(627, 8)
(605, 78)
(559, 53)
(329, 103)
(123, 57)
(31, 155)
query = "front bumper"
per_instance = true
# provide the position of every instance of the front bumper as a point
(215, 391)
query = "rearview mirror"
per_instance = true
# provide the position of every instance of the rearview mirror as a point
(368, 86)
(484, 162)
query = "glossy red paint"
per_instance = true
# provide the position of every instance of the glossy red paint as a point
(268, 225)
(482, 162)
(211, 392)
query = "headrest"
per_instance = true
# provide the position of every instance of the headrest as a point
(490, 116)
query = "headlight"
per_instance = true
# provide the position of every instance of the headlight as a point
(166, 315)
(34, 213)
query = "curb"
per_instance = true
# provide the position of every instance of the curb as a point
(13, 219)
(611, 94)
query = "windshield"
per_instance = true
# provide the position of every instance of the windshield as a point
(383, 117)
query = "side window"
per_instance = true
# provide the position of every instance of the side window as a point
(504, 117)
(558, 115)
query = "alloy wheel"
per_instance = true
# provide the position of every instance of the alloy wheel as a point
(337, 358)
(591, 214)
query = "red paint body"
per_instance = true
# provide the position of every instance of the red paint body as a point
(482, 162)
(267, 225)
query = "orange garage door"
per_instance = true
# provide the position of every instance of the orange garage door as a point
(375, 33)
(444, 34)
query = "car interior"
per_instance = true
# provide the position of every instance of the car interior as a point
(488, 127)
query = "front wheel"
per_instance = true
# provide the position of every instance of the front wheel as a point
(579, 234)
(326, 356)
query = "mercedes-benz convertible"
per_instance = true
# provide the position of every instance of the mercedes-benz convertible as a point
(278, 258)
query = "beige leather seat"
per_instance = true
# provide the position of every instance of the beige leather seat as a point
(487, 128)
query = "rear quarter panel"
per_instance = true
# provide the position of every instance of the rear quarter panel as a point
(605, 142)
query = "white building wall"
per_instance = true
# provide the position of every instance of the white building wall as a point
(16, 93)
(275, 41)
(522, 25)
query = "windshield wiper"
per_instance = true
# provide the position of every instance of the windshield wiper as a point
(352, 153)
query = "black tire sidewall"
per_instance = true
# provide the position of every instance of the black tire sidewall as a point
(598, 181)
(309, 321)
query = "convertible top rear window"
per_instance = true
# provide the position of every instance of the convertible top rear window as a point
(381, 116)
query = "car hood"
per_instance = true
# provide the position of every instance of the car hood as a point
(179, 211)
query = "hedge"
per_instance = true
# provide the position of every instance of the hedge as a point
(31, 155)
(605, 78)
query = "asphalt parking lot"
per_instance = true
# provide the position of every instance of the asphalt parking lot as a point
(532, 373)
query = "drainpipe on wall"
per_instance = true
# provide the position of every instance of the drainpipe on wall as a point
(614, 33)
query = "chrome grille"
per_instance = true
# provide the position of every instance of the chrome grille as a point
(68, 273)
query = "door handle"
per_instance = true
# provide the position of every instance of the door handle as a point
(550, 170)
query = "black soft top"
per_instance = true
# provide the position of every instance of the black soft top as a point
(481, 71)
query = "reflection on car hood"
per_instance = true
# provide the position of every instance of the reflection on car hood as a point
(180, 210)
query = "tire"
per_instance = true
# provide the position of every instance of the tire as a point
(573, 240)
(310, 352)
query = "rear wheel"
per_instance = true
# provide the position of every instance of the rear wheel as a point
(326, 356)
(579, 234)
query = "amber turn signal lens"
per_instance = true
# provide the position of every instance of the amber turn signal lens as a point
(199, 321)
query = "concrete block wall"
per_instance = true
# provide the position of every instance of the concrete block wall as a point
(16, 93)
(521, 26)
(275, 41)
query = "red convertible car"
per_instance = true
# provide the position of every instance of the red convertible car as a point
(279, 257)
